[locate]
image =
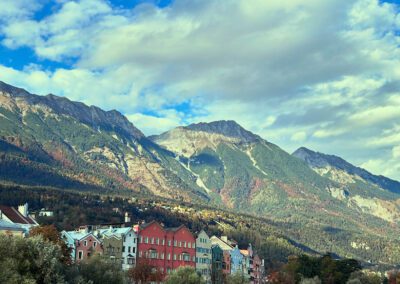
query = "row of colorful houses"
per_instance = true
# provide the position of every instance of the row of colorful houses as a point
(166, 249)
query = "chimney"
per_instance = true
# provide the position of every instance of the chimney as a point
(23, 209)
(127, 218)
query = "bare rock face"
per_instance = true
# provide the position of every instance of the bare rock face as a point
(320, 161)
(102, 146)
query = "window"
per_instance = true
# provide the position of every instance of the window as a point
(189, 245)
(169, 243)
(141, 239)
(85, 243)
(174, 256)
(175, 243)
(157, 241)
(163, 242)
(152, 241)
(140, 254)
(193, 245)
(153, 254)
(133, 250)
(80, 254)
(146, 240)
(184, 244)
(169, 256)
(186, 256)
(123, 248)
(94, 244)
(129, 249)
(131, 260)
(162, 255)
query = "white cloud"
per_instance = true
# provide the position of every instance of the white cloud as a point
(299, 136)
(396, 152)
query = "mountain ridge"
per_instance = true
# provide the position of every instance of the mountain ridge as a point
(320, 160)
(51, 139)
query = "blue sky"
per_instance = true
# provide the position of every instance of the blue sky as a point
(320, 74)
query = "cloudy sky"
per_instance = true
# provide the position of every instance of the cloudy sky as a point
(321, 74)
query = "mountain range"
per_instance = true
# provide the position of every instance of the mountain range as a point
(319, 200)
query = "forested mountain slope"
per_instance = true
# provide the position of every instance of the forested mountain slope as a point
(52, 141)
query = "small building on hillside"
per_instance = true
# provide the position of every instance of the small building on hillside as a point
(203, 256)
(83, 244)
(217, 274)
(45, 213)
(19, 217)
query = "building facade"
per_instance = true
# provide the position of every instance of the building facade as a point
(224, 244)
(18, 217)
(258, 270)
(203, 256)
(83, 244)
(237, 264)
(217, 274)
(166, 248)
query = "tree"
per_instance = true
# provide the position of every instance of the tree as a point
(364, 278)
(314, 280)
(237, 278)
(143, 272)
(49, 233)
(185, 275)
(96, 270)
(29, 261)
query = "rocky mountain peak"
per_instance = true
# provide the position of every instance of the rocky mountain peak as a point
(11, 90)
(90, 115)
(227, 128)
(318, 160)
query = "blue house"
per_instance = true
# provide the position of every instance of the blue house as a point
(236, 261)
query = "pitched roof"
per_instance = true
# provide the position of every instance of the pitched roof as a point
(15, 216)
(118, 232)
(175, 229)
(221, 243)
(145, 225)
(5, 225)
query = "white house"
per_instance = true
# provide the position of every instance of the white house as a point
(18, 217)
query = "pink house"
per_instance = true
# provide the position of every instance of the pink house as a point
(82, 243)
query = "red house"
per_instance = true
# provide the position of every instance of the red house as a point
(166, 248)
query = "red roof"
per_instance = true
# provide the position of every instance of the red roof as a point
(15, 216)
